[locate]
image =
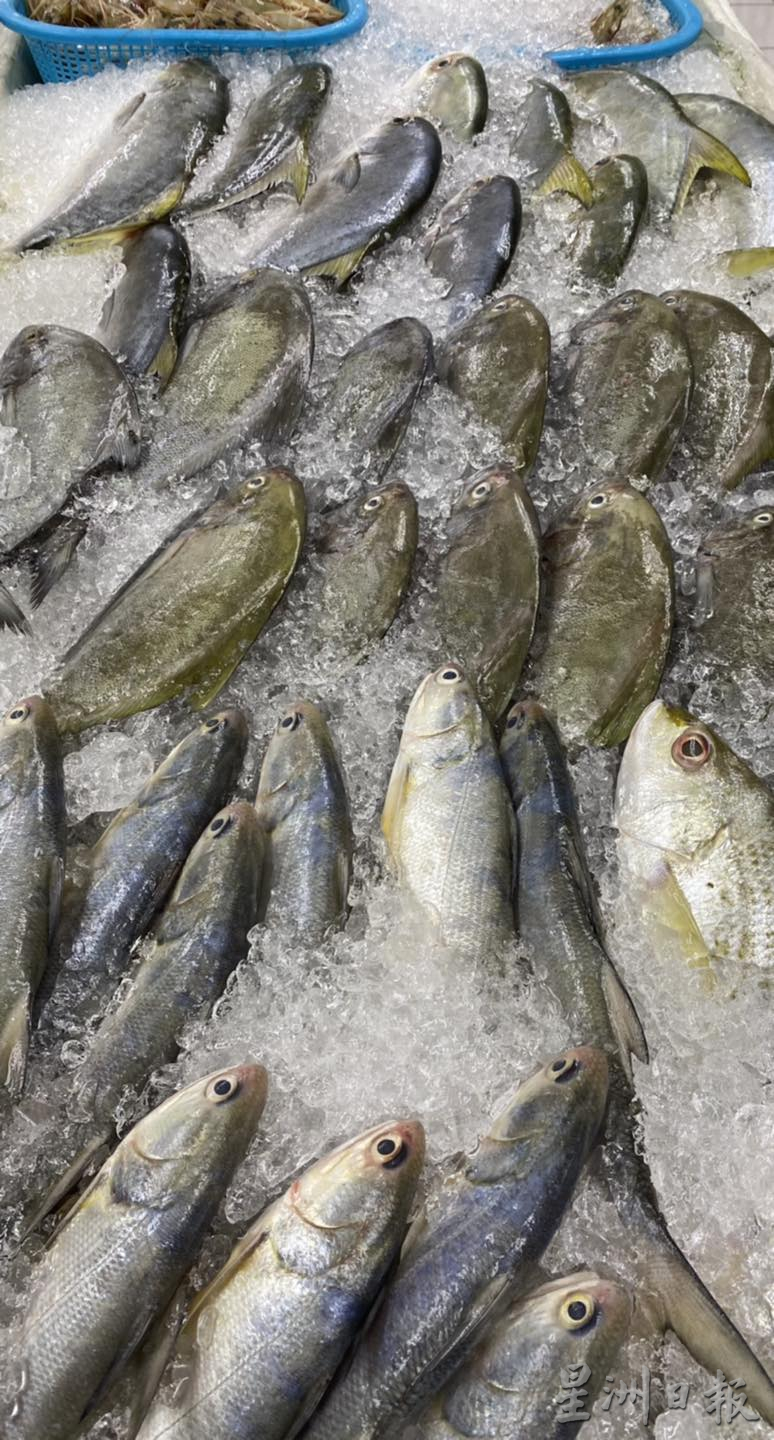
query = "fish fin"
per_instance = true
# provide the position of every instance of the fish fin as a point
(14, 1042)
(128, 110)
(341, 266)
(347, 174)
(299, 170)
(53, 557)
(120, 447)
(202, 694)
(484, 1309)
(569, 175)
(55, 892)
(625, 1022)
(255, 1236)
(11, 617)
(705, 152)
(65, 1184)
(119, 1364)
(675, 914)
(393, 801)
(152, 1357)
(748, 262)
(165, 359)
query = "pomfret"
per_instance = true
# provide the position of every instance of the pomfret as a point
(452, 92)
(606, 232)
(735, 601)
(751, 137)
(542, 144)
(372, 398)
(472, 242)
(141, 319)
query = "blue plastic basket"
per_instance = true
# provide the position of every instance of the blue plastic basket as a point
(66, 52)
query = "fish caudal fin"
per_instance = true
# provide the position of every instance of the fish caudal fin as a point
(570, 176)
(749, 262)
(52, 558)
(11, 617)
(705, 152)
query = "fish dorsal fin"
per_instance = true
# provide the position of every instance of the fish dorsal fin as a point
(122, 119)
(705, 152)
(624, 1020)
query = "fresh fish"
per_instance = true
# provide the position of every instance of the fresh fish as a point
(542, 144)
(372, 398)
(142, 317)
(75, 414)
(606, 23)
(241, 376)
(751, 137)
(446, 819)
(495, 1216)
(650, 124)
(735, 601)
(271, 144)
(497, 363)
(125, 1247)
(128, 874)
(629, 386)
(304, 815)
(292, 1296)
(484, 598)
(32, 850)
(472, 242)
(607, 615)
(605, 233)
(452, 92)
(729, 431)
(182, 623)
(141, 168)
(696, 828)
(560, 928)
(359, 201)
(515, 1383)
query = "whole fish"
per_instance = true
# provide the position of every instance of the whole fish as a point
(607, 615)
(140, 169)
(75, 414)
(303, 812)
(729, 431)
(32, 851)
(125, 1247)
(182, 623)
(446, 816)
(452, 92)
(293, 1295)
(497, 363)
(606, 232)
(542, 144)
(734, 599)
(650, 124)
(372, 398)
(496, 1214)
(359, 201)
(560, 927)
(751, 137)
(515, 1384)
(484, 596)
(128, 874)
(696, 828)
(242, 375)
(271, 144)
(141, 319)
(472, 242)
(629, 386)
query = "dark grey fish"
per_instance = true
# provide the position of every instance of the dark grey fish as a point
(735, 601)
(606, 232)
(372, 398)
(142, 318)
(542, 144)
(472, 242)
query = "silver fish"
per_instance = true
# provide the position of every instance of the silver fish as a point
(142, 318)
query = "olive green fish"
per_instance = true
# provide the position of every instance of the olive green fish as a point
(140, 169)
(729, 431)
(452, 92)
(607, 22)
(372, 398)
(497, 363)
(241, 376)
(515, 1384)
(493, 1218)
(271, 144)
(182, 623)
(303, 812)
(125, 1247)
(294, 1293)
(606, 623)
(472, 242)
(751, 137)
(32, 851)
(606, 232)
(542, 144)
(628, 388)
(696, 828)
(484, 595)
(446, 817)
(735, 601)
(142, 318)
(650, 124)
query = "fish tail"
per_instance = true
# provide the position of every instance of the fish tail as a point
(14, 1043)
(53, 557)
(11, 617)
(747, 262)
(569, 175)
(706, 152)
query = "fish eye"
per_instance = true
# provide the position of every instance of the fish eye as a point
(692, 749)
(597, 501)
(441, 64)
(481, 490)
(18, 714)
(627, 302)
(218, 722)
(563, 1069)
(291, 721)
(764, 517)
(515, 718)
(577, 1311)
(222, 1088)
(449, 676)
(374, 503)
(219, 824)
(251, 487)
(669, 299)
(391, 1151)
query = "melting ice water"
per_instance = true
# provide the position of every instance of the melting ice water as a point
(381, 1021)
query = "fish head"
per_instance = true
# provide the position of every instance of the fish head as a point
(274, 496)
(300, 749)
(453, 87)
(557, 1111)
(753, 531)
(531, 751)
(211, 864)
(385, 517)
(27, 729)
(444, 719)
(213, 751)
(620, 313)
(31, 350)
(599, 519)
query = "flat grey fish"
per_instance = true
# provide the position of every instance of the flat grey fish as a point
(373, 394)
(735, 601)
(751, 137)
(605, 233)
(472, 242)
(141, 168)
(142, 317)
(32, 856)
(542, 143)
(271, 143)
(451, 90)
(360, 200)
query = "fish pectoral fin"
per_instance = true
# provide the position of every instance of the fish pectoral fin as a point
(11, 616)
(748, 262)
(624, 1019)
(130, 109)
(705, 152)
(569, 175)
(151, 1357)
(165, 359)
(14, 1042)
(483, 1309)
(675, 914)
(340, 267)
(257, 1235)
(347, 174)
(53, 556)
(397, 790)
(66, 1183)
